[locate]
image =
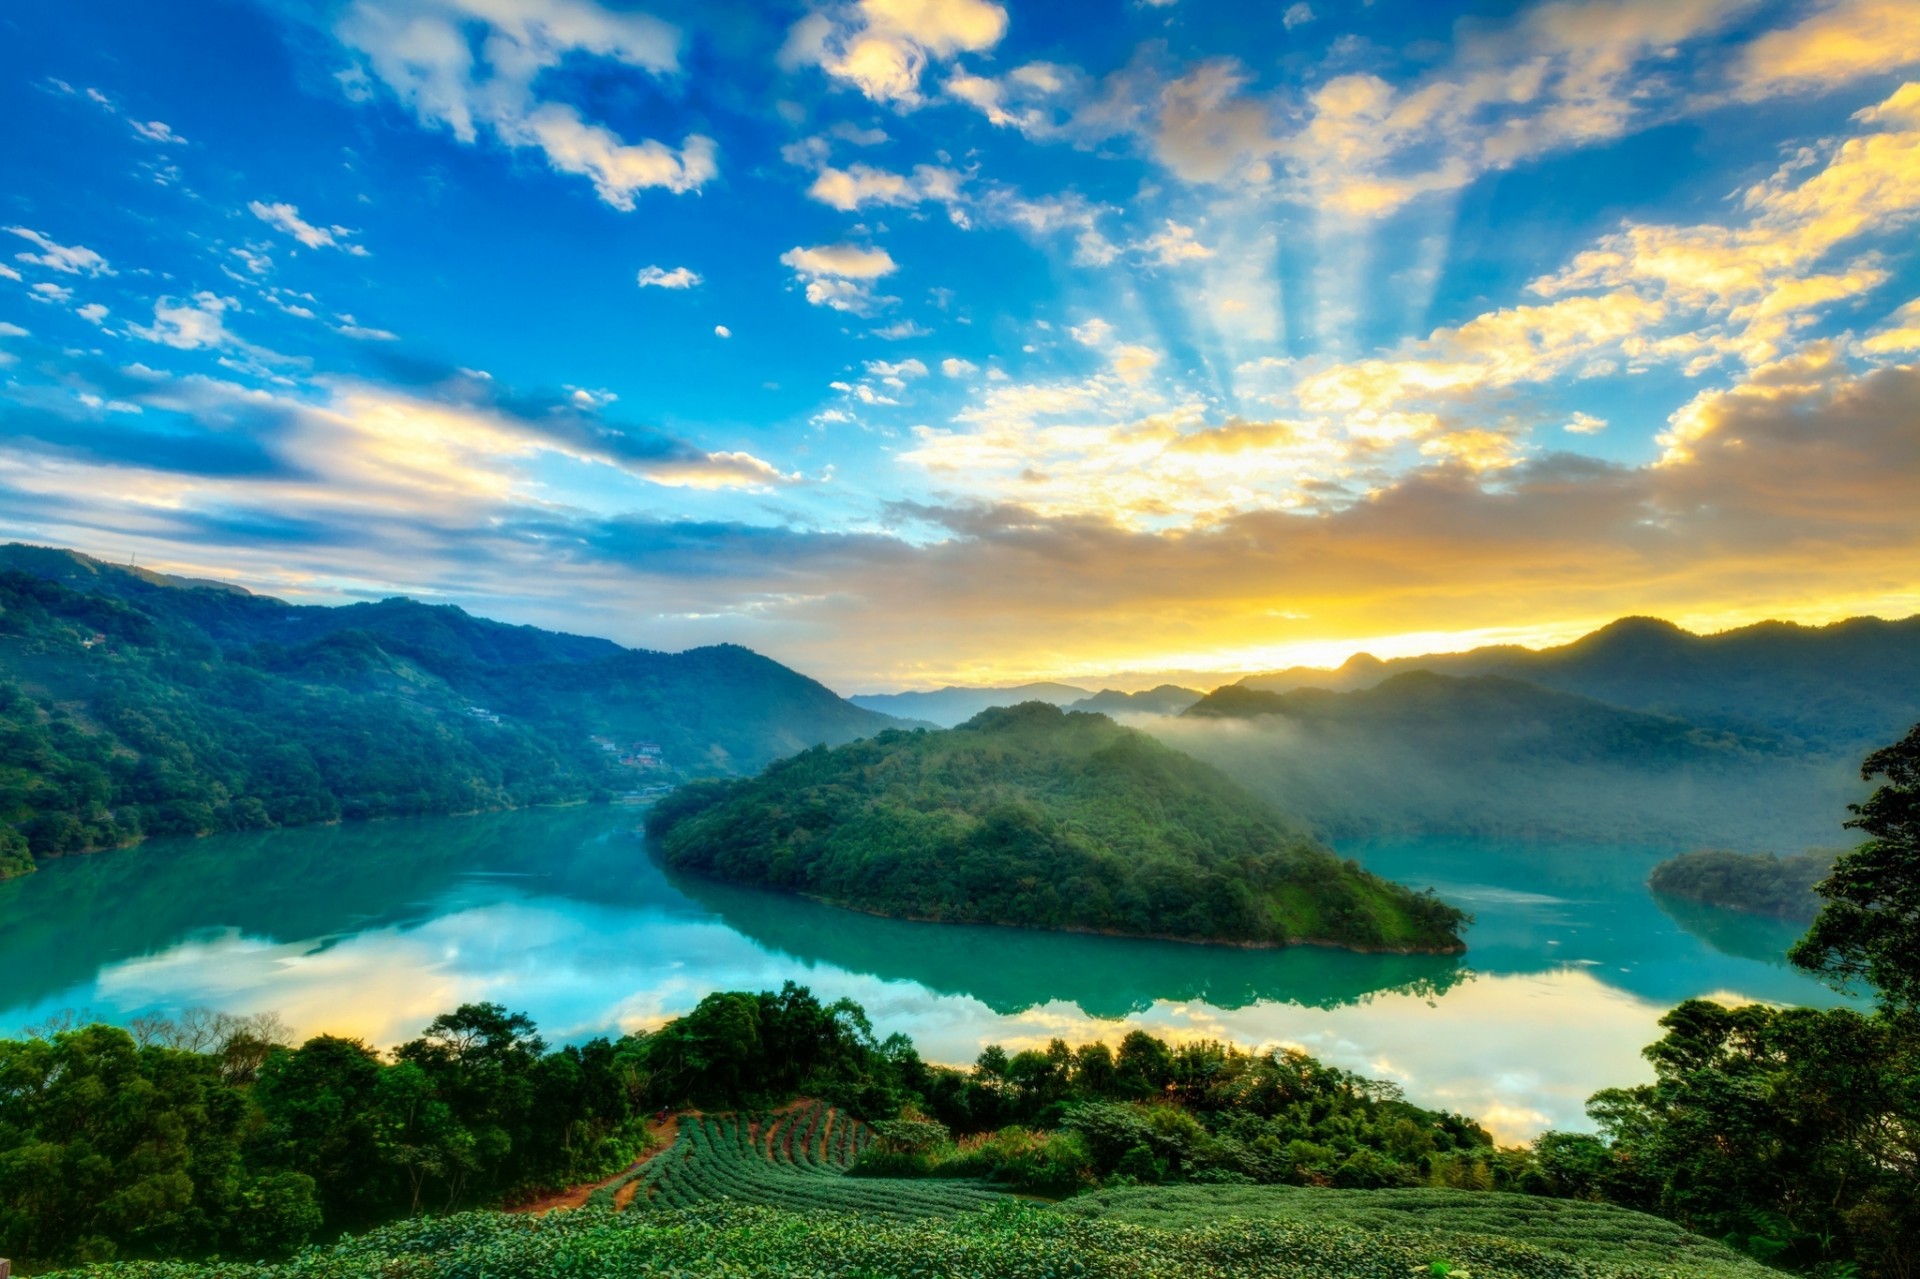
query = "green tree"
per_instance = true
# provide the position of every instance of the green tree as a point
(1869, 928)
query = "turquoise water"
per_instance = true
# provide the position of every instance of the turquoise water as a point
(372, 929)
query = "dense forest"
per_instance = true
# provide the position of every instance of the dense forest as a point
(1041, 818)
(1756, 883)
(133, 704)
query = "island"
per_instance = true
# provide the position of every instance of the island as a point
(1753, 883)
(1036, 817)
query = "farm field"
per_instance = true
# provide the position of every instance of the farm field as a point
(795, 1158)
(1010, 1241)
(1599, 1234)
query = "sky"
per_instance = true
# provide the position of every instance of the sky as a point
(925, 341)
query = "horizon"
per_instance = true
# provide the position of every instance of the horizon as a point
(977, 343)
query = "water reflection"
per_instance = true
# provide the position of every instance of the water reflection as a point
(1761, 938)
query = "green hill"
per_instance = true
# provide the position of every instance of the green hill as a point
(1036, 817)
(135, 704)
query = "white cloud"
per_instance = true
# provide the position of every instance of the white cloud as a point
(722, 331)
(156, 131)
(1174, 244)
(191, 325)
(1297, 15)
(92, 312)
(1586, 424)
(286, 217)
(361, 333)
(881, 47)
(654, 277)
(12, 330)
(840, 276)
(46, 292)
(422, 51)
(8, 273)
(900, 330)
(860, 185)
(68, 259)
(954, 366)
(1841, 40)
(256, 262)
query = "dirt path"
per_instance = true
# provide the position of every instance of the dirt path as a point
(663, 1138)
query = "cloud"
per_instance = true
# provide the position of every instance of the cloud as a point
(361, 333)
(722, 331)
(654, 277)
(286, 218)
(881, 47)
(49, 292)
(1842, 40)
(901, 330)
(1899, 335)
(1297, 15)
(1586, 424)
(157, 131)
(954, 366)
(422, 51)
(92, 312)
(193, 324)
(861, 185)
(68, 259)
(1174, 244)
(840, 276)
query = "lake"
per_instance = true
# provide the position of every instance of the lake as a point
(372, 929)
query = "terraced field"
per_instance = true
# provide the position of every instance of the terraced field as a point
(795, 1159)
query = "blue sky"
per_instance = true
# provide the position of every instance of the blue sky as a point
(926, 340)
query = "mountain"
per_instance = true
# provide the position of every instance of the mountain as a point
(1488, 755)
(945, 707)
(1167, 699)
(1752, 883)
(1842, 687)
(135, 704)
(1035, 817)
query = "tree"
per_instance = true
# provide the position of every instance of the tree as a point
(1869, 928)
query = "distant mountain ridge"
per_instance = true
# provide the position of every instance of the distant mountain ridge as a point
(1848, 684)
(134, 704)
(954, 704)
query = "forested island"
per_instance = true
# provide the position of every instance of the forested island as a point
(1755, 883)
(1040, 818)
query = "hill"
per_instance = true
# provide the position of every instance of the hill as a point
(1035, 817)
(1167, 699)
(1423, 752)
(135, 704)
(946, 707)
(1753, 883)
(1852, 684)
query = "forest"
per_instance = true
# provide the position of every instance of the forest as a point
(1042, 818)
(1756, 883)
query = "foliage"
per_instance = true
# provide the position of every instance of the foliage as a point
(1869, 927)
(1599, 1234)
(1756, 883)
(1041, 818)
(1793, 1133)
(1012, 1241)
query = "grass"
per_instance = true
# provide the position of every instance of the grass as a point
(1599, 1234)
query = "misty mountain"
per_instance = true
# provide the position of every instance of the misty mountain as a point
(952, 705)
(1491, 755)
(1845, 686)
(1167, 699)
(134, 704)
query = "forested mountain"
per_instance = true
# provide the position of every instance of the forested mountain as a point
(1755, 883)
(952, 705)
(134, 704)
(1423, 752)
(1042, 818)
(1838, 687)
(1166, 699)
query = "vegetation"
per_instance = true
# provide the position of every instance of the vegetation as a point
(133, 704)
(1869, 929)
(1013, 1241)
(1595, 1233)
(1041, 818)
(1756, 883)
